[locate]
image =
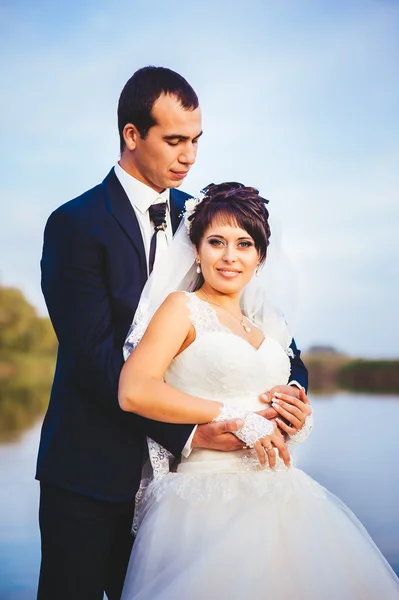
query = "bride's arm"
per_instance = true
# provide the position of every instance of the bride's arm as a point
(143, 391)
(141, 386)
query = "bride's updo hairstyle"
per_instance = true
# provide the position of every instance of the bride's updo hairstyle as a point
(232, 203)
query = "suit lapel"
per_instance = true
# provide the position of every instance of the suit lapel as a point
(177, 201)
(120, 207)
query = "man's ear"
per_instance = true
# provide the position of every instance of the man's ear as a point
(130, 135)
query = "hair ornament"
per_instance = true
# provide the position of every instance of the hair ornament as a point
(189, 209)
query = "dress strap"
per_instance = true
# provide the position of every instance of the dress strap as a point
(202, 315)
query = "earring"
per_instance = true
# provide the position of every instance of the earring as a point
(198, 269)
(257, 271)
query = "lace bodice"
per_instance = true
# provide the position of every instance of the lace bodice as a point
(220, 365)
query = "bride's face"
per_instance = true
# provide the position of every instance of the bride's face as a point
(228, 258)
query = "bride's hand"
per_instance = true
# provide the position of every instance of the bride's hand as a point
(291, 390)
(267, 447)
(293, 410)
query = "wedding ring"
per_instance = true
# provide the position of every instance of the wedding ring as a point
(269, 448)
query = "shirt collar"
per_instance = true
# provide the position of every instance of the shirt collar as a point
(140, 195)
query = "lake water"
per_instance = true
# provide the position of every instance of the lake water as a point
(353, 451)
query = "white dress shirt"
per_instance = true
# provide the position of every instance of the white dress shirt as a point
(141, 197)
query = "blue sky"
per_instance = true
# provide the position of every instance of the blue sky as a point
(300, 98)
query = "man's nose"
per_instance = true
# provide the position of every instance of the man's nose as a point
(188, 156)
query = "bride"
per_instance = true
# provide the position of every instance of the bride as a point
(244, 524)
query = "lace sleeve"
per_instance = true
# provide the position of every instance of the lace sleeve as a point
(302, 434)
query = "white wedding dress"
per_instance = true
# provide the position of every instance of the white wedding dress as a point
(221, 528)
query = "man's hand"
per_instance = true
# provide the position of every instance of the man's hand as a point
(219, 436)
(290, 390)
(268, 413)
(291, 409)
(267, 397)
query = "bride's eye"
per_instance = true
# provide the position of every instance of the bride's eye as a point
(216, 242)
(246, 244)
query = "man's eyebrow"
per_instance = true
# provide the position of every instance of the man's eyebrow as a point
(183, 138)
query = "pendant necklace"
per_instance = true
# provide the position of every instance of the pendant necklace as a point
(241, 321)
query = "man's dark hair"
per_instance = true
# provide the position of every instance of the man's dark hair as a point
(142, 90)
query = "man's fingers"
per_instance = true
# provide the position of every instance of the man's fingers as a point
(229, 426)
(268, 413)
(266, 397)
(290, 390)
(303, 397)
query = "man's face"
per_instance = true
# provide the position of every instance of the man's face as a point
(163, 159)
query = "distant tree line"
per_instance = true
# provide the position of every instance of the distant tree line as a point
(21, 329)
(371, 375)
(329, 371)
(27, 354)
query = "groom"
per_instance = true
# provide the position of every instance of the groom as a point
(98, 250)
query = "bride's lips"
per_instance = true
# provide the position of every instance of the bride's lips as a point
(228, 273)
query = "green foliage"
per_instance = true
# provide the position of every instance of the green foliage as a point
(329, 372)
(324, 369)
(20, 326)
(25, 381)
(27, 354)
(371, 375)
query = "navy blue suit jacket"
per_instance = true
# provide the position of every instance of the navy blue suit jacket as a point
(93, 272)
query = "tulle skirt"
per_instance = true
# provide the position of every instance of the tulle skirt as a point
(258, 536)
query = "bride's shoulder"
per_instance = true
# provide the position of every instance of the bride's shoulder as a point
(178, 299)
(183, 305)
(177, 303)
(172, 315)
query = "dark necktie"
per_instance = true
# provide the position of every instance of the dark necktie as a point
(158, 217)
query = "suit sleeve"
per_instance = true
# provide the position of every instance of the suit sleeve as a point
(79, 305)
(299, 372)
